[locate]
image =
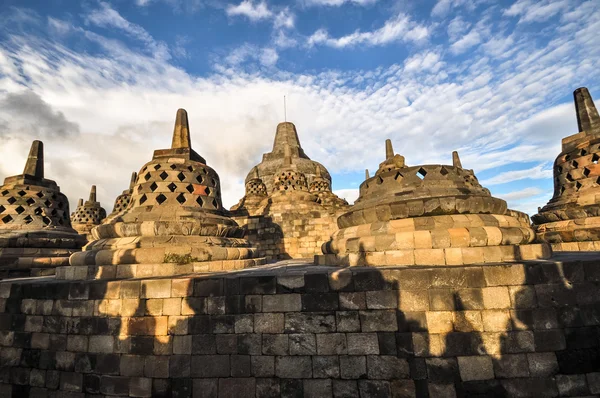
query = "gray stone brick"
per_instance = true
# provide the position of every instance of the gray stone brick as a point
(282, 303)
(226, 344)
(403, 389)
(263, 365)
(572, 385)
(386, 367)
(237, 387)
(317, 388)
(205, 388)
(268, 323)
(382, 299)
(593, 380)
(363, 343)
(441, 390)
(268, 388)
(374, 388)
(475, 368)
(210, 366)
(293, 367)
(352, 300)
(326, 366)
(298, 322)
(331, 344)
(302, 344)
(378, 321)
(250, 344)
(542, 364)
(345, 388)
(275, 344)
(510, 366)
(240, 366)
(353, 366)
(347, 321)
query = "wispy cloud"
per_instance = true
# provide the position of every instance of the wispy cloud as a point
(521, 194)
(399, 28)
(337, 3)
(251, 10)
(541, 171)
(536, 10)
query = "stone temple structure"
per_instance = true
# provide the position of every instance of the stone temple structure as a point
(88, 214)
(174, 223)
(289, 209)
(122, 201)
(571, 219)
(35, 230)
(429, 215)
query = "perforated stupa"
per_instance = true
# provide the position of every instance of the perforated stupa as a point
(174, 223)
(88, 214)
(428, 215)
(35, 230)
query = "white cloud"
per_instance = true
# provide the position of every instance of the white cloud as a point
(265, 56)
(349, 194)
(337, 3)
(284, 19)
(442, 7)
(541, 171)
(536, 10)
(425, 61)
(399, 28)
(253, 11)
(521, 194)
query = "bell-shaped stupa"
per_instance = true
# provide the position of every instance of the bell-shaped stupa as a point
(428, 215)
(122, 201)
(88, 214)
(35, 230)
(571, 219)
(174, 224)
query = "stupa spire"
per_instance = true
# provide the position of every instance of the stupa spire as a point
(133, 179)
(389, 150)
(587, 114)
(35, 161)
(286, 134)
(456, 160)
(181, 132)
(367, 176)
(80, 202)
(93, 194)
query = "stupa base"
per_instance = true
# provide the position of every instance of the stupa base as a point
(23, 262)
(589, 246)
(126, 271)
(453, 256)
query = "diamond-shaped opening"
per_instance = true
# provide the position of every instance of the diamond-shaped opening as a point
(190, 188)
(156, 166)
(37, 211)
(47, 203)
(567, 157)
(559, 169)
(190, 168)
(147, 176)
(214, 203)
(173, 167)
(21, 193)
(53, 197)
(11, 200)
(160, 199)
(598, 180)
(586, 172)
(46, 220)
(172, 187)
(398, 176)
(443, 171)
(583, 152)
(153, 186)
(562, 189)
(575, 164)
(6, 219)
(214, 182)
(2, 208)
(595, 158)
(421, 173)
(54, 212)
(208, 190)
(200, 179)
(20, 209)
(577, 186)
(181, 176)
(143, 199)
(569, 177)
(60, 221)
(4, 193)
(163, 175)
(181, 198)
(28, 219)
(200, 201)
(30, 201)
(39, 194)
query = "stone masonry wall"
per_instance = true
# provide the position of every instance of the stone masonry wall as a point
(287, 235)
(514, 330)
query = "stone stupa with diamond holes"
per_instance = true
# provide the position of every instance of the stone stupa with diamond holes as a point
(88, 214)
(571, 219)
(428, 215)
(174, 224)
(122, 201)
(35, 230)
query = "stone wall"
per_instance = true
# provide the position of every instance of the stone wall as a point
(510, 330)
(287, 235)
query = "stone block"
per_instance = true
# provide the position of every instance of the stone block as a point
(374, 388)
(205, 388)
(510, 366)
(250, 344)
(237, 387)
(382, 299)
(204, 344)
(210, 366)
(468, 321)
(302, 344)
(345, 388)
(496, 320)
(140, 387)
(542, 364)
(226, 343)
(414, 300)
(496, 297)
(160, 288)
(275, 344)
(282, 303)
(156, 366)
(572, 385)
(320, 302)
(353, 367)
(317, 388)
(131, 365)
(439, 321)
(269, 323)
(593, 381)
(297, 322)
(263, 365)
(363, 343)
(441, 369)
(331, 344)
(268, 388)
(475, 368)
(293, 367)
(326, 366)
(386, 367)
(240, 366)
(352, 300)
(378, 321)
(101, 344)
(179, 366)
(244, 323)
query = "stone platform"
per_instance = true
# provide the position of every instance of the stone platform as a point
(292, 329)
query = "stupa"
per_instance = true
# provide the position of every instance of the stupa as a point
(428, 215)
(35, 230)
(88, 214)
(174, 224)
(122, 201)
(289, 209)
(571, 219)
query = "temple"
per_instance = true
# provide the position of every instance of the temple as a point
(35, 230)
(88, 214)
(571, 219)
(428, 215)
(174, 224)
(288, 210)
(122, 201)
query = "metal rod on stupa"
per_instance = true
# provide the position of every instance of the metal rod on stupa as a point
(35, 161)
(587, 114)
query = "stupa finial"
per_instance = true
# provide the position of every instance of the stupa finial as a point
(181, 133)
(389, 150)
(133, 179)
(367, 176)
(587, 114)
(80, 202)
(456, 160)
(93, 194)
(35, 161)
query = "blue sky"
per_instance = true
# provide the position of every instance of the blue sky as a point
(99, 82)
